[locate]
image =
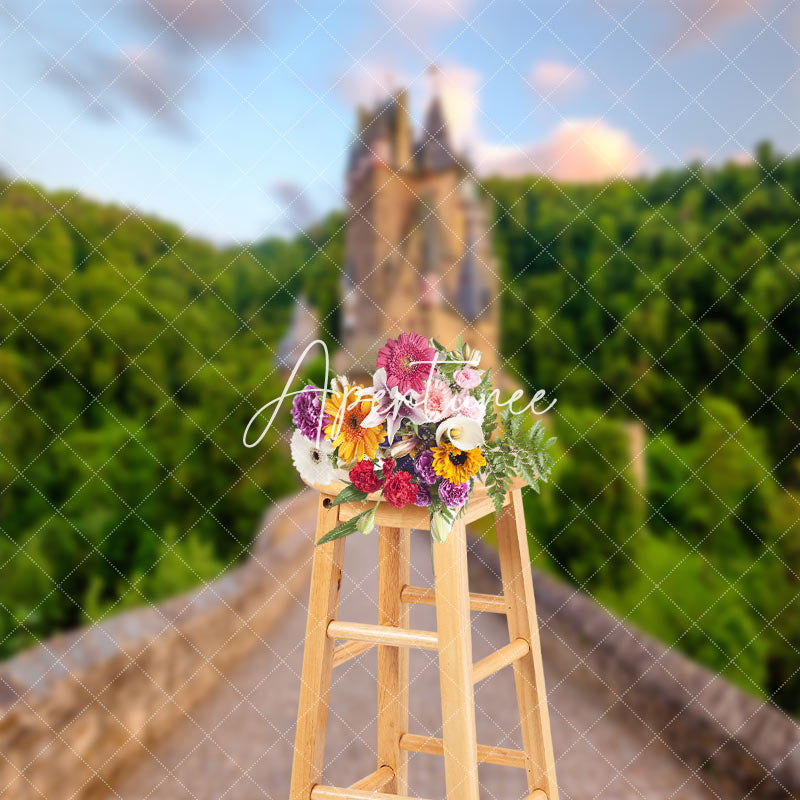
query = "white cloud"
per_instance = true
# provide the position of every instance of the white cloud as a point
(436, 11)
(368, 83)
(152, 79)
(411, 26)
(576, 151)
(556, 79)
(458, 86)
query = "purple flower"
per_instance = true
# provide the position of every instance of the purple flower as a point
(454, 495)
(307, 411)
(423, 466)
(406, 463)
(423, 498)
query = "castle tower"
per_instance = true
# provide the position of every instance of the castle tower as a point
(417, 248)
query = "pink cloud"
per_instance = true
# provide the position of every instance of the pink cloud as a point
(742, 159)
(576, 151)
(554, 78)
(710, 18)
(690, 22)
(203, 25)
(107, 85)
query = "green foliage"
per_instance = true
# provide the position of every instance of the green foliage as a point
(180, 564)
(132, 357)
(366, 518)
(639, 297)
(672, 300)
(716, 502)
(349, 494)
(679, 596)
(519, 450)
(589, 522)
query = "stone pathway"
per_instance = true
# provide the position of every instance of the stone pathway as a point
(238, 743)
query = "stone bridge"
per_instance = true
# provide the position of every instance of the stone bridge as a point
(196, 699)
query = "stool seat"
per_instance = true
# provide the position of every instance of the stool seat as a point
(478, 506)
(452, 641)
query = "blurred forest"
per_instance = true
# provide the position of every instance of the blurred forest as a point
(132, 357)
(674, 301)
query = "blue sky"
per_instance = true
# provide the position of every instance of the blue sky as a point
(233, 117)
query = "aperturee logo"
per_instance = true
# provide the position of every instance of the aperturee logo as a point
(424, 433)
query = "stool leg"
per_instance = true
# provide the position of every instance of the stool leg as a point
(315, 684)
(455, 665)
(394, 572)
(515, 567)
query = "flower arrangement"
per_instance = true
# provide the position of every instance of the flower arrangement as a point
(422, 435)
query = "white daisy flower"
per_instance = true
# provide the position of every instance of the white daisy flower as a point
(312, 462)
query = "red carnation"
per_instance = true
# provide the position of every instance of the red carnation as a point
(400, 490)
(387, 468)
(364, 478)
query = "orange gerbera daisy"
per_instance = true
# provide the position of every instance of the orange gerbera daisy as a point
(347, 410)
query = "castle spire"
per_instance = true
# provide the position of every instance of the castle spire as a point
(434, 150)
(416, 241)
(472, 295)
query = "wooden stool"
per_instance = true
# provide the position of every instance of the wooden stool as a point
(452, 641)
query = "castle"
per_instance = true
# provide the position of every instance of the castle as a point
(417, 247)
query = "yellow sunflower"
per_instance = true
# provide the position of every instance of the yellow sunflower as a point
(344, 429)
(457, 466)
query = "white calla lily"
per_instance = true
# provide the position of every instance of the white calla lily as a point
(463, 432)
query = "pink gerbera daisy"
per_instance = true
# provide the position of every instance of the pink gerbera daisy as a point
(404, 360)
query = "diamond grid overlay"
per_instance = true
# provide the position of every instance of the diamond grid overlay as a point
(507, 286)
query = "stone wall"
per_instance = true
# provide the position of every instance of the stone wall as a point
(740, 745)
(79, 708)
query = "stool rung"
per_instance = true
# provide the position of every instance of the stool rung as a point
(344, 652)
(512, 652)
(487, 754)
(375, 781)
(334, 793)
(537, 794)
(493, 603)
(383, 634)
